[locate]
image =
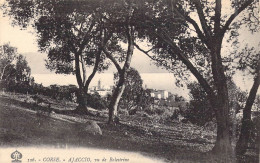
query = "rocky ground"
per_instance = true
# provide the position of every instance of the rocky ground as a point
(22, 125)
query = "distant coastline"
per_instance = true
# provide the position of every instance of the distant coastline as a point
(163, 81)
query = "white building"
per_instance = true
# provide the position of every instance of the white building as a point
(160, 94)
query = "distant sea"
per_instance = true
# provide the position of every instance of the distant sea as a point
(163, 81)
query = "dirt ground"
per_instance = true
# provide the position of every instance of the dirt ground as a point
(173, 142)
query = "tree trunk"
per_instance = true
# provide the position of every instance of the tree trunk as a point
(82, 94)
(223, 143)
(221, 103)
(244, 136)
(113, 105)
(82, 101)
(3, 72)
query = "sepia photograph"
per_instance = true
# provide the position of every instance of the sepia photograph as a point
(129, 81)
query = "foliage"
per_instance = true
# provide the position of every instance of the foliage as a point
(198, 48)
(186, 37)
(7, 56)
(134, 96)
(56, 91)
(255, 132)
(96, 101)
(15, 71)
(62, 92)
(199, 110)
(145, 99)
(68, 93)
(178, 98)
(161, 114)
(69, 32)
(237, 97)
(23, 71)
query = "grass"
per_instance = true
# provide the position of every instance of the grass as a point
(173, 141)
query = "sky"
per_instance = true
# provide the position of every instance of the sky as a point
(26, 43)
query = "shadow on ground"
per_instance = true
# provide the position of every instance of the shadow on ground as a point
(21, 126)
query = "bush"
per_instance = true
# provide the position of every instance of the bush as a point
(149, 111)
(123, 112)
(255, 132)
(199, 110)
(134, 96)
(162, 113)
(96, 101)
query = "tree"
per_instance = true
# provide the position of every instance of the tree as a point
(68, 32)
(23, 71)
(8, 81)
(200, 111)
(15, 71)
(131, 98)
(185, 36)
(7, 56)
(96, 101)
(198, 45)
(72, 31)
(250, 62)
(178, 98)
(118, 91)
(118, 17)
(22, 75)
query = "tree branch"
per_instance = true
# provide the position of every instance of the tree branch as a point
(78, 74)
(152, 58)
(193, 23)
(112, 59)
(234, 15)
(145, 52)
(197, 29)
(104, 40)
(98, 56)
(3, 72)
(217, 17)
(190, 66)
(86, 38)
(83, 68)
(130, 49)
(203, 21)
(253, 91)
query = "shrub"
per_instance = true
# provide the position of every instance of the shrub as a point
(255, 132)
(199, 110)
(96, 101)
(162, 113)
(123, 112)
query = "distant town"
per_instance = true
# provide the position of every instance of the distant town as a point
(104, 90)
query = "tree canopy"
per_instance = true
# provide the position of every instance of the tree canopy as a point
(7, 56)
(15, 71)
(131, 98)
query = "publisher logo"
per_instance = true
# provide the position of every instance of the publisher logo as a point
(16, 156)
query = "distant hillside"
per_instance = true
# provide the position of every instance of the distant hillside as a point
(140, 62)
